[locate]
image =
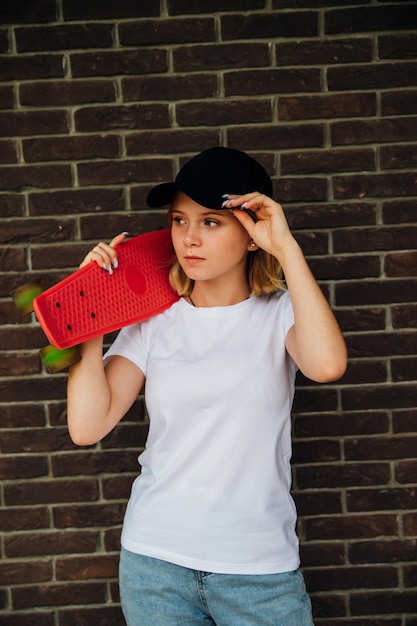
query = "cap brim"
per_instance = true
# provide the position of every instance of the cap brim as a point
(161, 195)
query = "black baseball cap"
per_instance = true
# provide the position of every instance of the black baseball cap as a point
(211, 174)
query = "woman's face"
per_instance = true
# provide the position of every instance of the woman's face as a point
(210, 244)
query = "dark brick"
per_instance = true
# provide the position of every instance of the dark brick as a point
(252, 138)
(404, 421)
(170, 88)
(380, 76)
(316, 451)
(20, 177)
(318, 503)
(286, 24)
(22, 415)
(26, 11)
(325, 52)
(70, 148)
(167, 31)
(398, 102)
(141, 116)
(20, 124)
(19, 364)
(41, 492)
(170, 142)
(401, 264)
(404, 369)
(387, 499)
(106, 227)
(406, 472)
(37, 440)
(85, 568)
(367, 19)
(12, 573)
(42, 618)
(4, 41)
(398, 157)
(224, 56)
(93, 462)
(116, 172)
(56, 595)
(321, 553)
(108, 9)
(379, 397)
(375, 185)
(330, 161)
(371, 239)
(90, 515)
(282, 81)
(6, 97)
(118, 63)
(328, 425)
(401, 46)
(331, 215)
(8, 152)
(75, 201)
(383, 602)
(351, 578)
(63, 37)
(350, 527)
(371, 318)
(404, 316)
(21, 466)
(11, 205)
(67, 93)
(40, 66)
(178, 7)
(13, 519)
(342, 475)
(105, 616)
(373, 131)
(388, 447)
(36, 230)
(326, 106)
(221, 113)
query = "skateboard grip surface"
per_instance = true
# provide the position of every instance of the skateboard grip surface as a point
(91, 302)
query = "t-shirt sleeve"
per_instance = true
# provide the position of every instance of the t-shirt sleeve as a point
(131, 344)
(288, 311)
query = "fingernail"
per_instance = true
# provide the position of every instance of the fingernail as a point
(104, 267)
(110, 270)
(225, 195)
(124, 232)
(242, 207)
(115, 264)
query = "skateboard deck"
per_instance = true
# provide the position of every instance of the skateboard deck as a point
(91, 302)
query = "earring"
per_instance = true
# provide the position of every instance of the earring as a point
(252, 245)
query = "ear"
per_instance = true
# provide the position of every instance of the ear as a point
(252, 246)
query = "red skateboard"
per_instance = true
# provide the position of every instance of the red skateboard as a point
(90, 302)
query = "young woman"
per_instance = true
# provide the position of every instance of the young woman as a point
(209, 533)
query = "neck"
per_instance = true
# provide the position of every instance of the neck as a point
(203, 297)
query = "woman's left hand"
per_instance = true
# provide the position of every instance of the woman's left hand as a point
(271, 231)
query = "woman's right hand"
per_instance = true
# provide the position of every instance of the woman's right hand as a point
(105, 254)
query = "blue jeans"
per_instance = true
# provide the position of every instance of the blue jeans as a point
(158, 593)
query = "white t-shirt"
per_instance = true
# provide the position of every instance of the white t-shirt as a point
(213, 493)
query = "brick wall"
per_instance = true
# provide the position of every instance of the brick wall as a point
(99, 101)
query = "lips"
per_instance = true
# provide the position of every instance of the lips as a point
(193, 259)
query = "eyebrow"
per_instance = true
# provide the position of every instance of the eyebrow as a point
(215, 212)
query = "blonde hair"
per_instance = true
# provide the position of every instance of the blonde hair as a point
(263, 272)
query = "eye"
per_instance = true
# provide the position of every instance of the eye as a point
(177, 219)
(211, 223)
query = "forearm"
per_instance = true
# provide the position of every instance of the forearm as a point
(88, 395)
(317, 342)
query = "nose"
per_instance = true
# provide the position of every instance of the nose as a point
(191, 236)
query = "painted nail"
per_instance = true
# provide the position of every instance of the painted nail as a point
(115, 264)
(111, 270)
(225, 195)
(104, 267)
